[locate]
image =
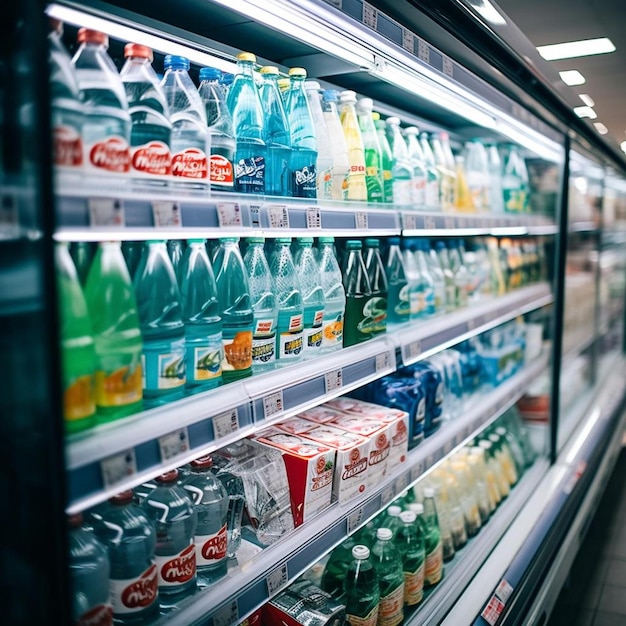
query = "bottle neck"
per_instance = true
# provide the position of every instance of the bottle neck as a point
(246, 69)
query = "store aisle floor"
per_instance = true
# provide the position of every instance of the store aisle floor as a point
(595, 593)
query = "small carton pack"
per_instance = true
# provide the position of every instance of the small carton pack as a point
(319, 414)
(296, 425)
(309, 466)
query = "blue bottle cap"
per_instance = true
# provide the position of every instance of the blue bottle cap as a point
(394, 241)
(175, 62)
(227, 78)
(210, 73)
(330, 95)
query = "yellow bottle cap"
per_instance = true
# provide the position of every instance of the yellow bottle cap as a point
(246, 56)
(297, 71)
(269, 69)
(283, 84)
(375, 115)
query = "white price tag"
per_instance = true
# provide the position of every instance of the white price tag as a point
(402, 483)
(166, 214)
(504, 590)
(491, 613)
(255, 215)
(313, 217)
(333, 380)
(277, 579)
(423, 51)
(354, 520)
(106, 212)
(417, 471)
(408, 40)
(370, 16)
(273, 404)
(227, 616)
(9, 215)
(447, 448)
(229, 214)
(360, 220)
(225, 423)
(118, 468)
(448, 223)
(413, 350)
(383, 362)
(448, 67)
(430, 461)
(174, 444)
(410, 221)
(387, 495)
(278, 216)
(429, 222)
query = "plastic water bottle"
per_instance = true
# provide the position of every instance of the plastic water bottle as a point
(398, 299)
(420, 175)
(226, 80)
(356, 184)
(210, 499)
(462, 278)
(514, 180)
(447, 166)
(494, 167)
(378, 284)
(334, 295)
(452, 297)
(388, 565)
(372, 150)
(277, 135)
(130, 538)
(411, 273)
(78, 357)
(66, 112)
(176, 519)
(433, 570)
(313, 300)
(175, 250)
(289, 331)
(221, 132)
(391, 519)
(410, 544)
(445, 178)
(427, 283)
(439, 279)
(233, 292)
(477, 173)
(334, 576)
(324, 165)
(89, 576)
(402, 166)
(117, 337)
(106, 129)
(162, 328)
(362, 597)
(433, 199)
(303, 139)
(386, 157)
(201, 315)
(248, 122)
(151, 130)
(264, 306)
(358, 318)
(341, 161)
(190, 142)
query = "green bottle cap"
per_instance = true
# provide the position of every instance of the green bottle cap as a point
(354, 244)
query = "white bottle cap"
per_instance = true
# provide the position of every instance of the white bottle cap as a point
(408, 517)
(417, 508)
(429, 492)
(393, 120)
(411, 130)
(312, 84)
(348, 96)
(360, 552)
(384, 533)
(394, 510)
(366, 103)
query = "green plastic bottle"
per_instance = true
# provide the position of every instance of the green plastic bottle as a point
(410, 543)
(433, 569)
(371, 148)
(78, 357)
(334, 575)
(117, 338)
(358, 321)
(386, 157)
(362, 595)
(388, 565)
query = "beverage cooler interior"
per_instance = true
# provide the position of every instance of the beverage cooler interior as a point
(350, 347)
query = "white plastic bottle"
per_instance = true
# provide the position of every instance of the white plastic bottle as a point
(324, 146)
(334, 295)
(341, 162)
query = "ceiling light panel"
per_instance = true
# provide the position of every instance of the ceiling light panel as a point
(574, 49)
(572, 77)
(585, 112)
(587, 99)
(601, 128)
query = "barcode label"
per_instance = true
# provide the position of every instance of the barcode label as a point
(278, 216)
(504, 590)
(106, 212)
(117, 468)
(229, 214)
(383, 362)
(277, 580)
(255, 215)
(166, 214)
(313, 217)
(354, 520)
(360, 220)
(273, 404)
(412, 350)
(174, 444)
(492, 611)
(225, 423)
(402, 483)
(423, 51)
(370, 16)
(408, 40)
(227, 616)
(333, 380)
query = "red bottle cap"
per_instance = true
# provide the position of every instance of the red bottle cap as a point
(122, 498)
(86, 35)
(137, 50)
(204, 462)
(168, 477)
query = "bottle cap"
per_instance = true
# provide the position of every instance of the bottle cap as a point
(210, 73)
(429, 492)
(394, 510)
(485, 445)
(375, 116)
(227, 78)
(200, 241)
(360, 552)
(176, 62)
(394, 241)
(229, 239)
(75, 520)
(282, 240)
(86, 35)
(255, 239)
(313, 85)
(372, 243)
(330, 95)
(411, 130)
(326, 239)
(353, 244)
(408, 517)
(122, 498)
(297, 72)
(393, 120)
(384, 533)
(137, 50)
(365, 103)
(204, 462)
(494, 438)
(306, 241)
(444, 136)
(168, 477)
(417, 508)
(269, 69)
(348, 96)
(246, 56)
(501, 430)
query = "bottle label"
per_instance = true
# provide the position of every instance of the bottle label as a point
(433, 567)
(190, 163)
(414, 586)
(290, 345)
(110, 155)
(402, 191)
(119, 387)
(365, 317)
(221, 171)
(99, 615)
(264, 350)
(210, 549)
(250, 175)
(132, 595)
(176, 570)
(151, 159)
(312, 339)
(67, 147)
(305, 182)
(238, 351)
(432, 191)
(419, 191)
(374, 185)
(332, 331)
(391, 607)
(164, 370)
(79, 398)
(403, 307)
(369, 620)
(205, 362)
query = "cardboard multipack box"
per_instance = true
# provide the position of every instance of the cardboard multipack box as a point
(319, 414)
(351, 477)
(296, 425)
(310, 468)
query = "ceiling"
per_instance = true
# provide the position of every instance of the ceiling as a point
(556, 21)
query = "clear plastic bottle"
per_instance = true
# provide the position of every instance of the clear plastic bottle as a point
(420, 174)
(403, 170)
(210, 499)
(303, 139)
(411, 272)
(117, 337)
(433, 570)
(398, 297)
(201, 315)
(439, 279)
(358, 318)
(451, 289)
(391, 519)
(233, 293)
(277, 135)
(106, 128)
(334, 295)
(462, 279)
(447, 166)
(494, 168)
(477, 172)
(324, 165)
(378, 284)
(464, 202)
(410, 543)
(388, 565)
(341, 160)
(246, 109)
(514, 180)
(221, 131)
(176, 251)
(433, 200)
(362, 597)
(386, 157)
(313, 299)
(289, 332)
(469, 496)
(372, 151)
(334, 575)
(191, 143)
(151, 130)
(162, 327)
(78, 356)
(426, 281)
(356, 184)
(264, 306)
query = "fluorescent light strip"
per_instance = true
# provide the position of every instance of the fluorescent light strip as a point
(601, 128)
(587, 99)
(572, 77)
(585, 112)
(623, 146)
(574, 49)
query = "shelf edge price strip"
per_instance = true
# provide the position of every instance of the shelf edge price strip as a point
(174, 444)
(166, 214)
(117, 468)
(106, 212)
(225, 423)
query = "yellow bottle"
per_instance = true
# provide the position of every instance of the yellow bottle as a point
(355, 186)
(463, 195)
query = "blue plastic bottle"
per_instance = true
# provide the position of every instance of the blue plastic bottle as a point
(201, 314)
(162, 328)
(233, 292)
(248, 121)
(398, 302)
(303, 140)
(277, 135)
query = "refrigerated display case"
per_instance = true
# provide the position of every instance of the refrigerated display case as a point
(417, 66)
